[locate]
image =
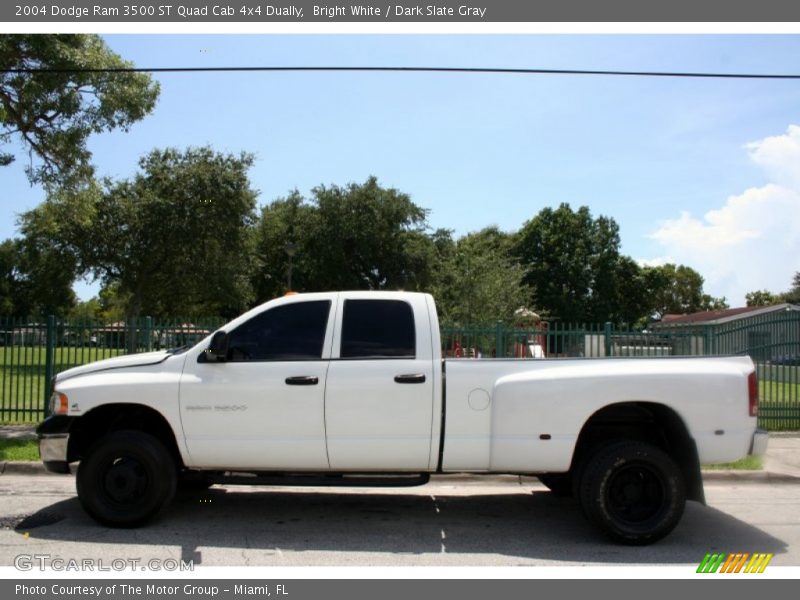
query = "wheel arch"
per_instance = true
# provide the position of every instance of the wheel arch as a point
(99, 421)
(645, 421)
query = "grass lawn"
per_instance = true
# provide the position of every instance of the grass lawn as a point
(777, 391)
(778, 404)
(16, 449)
(748, 463)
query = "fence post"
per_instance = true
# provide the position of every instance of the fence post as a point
(131, 332)
(500, 346)
(49, 360)
(148, 331)
(608, 330)
(707, 349)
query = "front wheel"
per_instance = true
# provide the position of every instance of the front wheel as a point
(126, 478)
(633, 491)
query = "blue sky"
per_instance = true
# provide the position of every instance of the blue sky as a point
(704, 172)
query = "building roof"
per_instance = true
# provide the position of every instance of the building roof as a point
(714, 317)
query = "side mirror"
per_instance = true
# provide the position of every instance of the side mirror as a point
(218, 348)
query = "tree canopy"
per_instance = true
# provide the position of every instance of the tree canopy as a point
(767, 298)
(678, 289)
(477, 281)
(35, 277)
(182, 238)
(358, 236)
(573, 266)
(763, 298)
(793, 295)
(57, 90)
(176, 239)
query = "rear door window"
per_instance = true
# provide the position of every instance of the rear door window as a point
(377, 329)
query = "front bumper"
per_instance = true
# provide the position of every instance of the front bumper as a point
(53, 435)
(758, 445)
(53, 451)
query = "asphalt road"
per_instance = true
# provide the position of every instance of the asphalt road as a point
(497, 522)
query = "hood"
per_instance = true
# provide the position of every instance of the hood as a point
(118, 362)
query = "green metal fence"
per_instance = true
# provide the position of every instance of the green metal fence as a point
(772, 340)
(567, 340)
(33, 350)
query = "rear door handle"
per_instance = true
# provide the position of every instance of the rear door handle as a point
(302, 380)
(410, 378)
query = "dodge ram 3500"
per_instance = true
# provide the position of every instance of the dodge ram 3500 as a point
(349, 388)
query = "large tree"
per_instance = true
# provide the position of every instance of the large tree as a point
(358, 236)
(35, 278)
(283, 228)
(477, 281)
(678, 289)
(57, 90)
(634, 288)
(571, 261)
(763, 298)
(793, 295)
(767, 298)
(174, 240)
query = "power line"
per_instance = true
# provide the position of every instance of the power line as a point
(497, 70)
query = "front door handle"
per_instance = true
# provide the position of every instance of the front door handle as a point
(410, 378)
(302, 380)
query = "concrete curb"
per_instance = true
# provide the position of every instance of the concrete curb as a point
(784, 434)
(750, 476)
(22, 468)
(37, 468)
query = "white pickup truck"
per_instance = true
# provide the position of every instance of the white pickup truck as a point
(349, 388)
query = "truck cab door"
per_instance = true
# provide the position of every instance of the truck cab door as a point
(262, 406)
(379, 394)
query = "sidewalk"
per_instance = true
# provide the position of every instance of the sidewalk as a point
(783, 454)
(21, 432)
(781, 462)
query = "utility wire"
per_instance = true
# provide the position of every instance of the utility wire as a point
(684, 74)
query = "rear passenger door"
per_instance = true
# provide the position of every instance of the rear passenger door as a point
(379, 393)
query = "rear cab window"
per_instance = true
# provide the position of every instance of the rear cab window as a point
(375, 329)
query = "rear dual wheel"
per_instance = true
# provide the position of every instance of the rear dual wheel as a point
(632, 491)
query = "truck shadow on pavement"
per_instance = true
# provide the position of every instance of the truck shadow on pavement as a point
(522, 527)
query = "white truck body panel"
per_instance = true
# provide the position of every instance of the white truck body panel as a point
(242, 416)
(233, 416)
(374, 424)
(529, 398)
(139, 382)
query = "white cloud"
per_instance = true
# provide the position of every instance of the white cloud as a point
(752, 241)
(658, 261)
(779, 156)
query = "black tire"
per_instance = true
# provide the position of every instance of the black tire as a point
(126, 478)
(632, 491)
(579, 464)
(558, 483)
